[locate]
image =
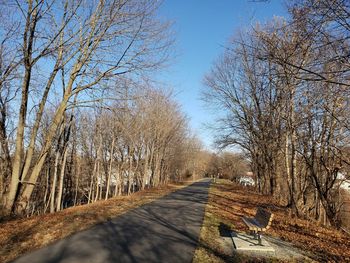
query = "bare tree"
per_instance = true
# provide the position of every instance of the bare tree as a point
(88, 43)
(290, 123)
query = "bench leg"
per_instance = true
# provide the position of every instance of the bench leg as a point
(256, 235)
(252, 233)
(259, 238)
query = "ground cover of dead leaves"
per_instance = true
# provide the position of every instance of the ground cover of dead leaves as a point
(20, 236)
(230, 202)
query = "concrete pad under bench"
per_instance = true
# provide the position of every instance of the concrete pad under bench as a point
(246, 243)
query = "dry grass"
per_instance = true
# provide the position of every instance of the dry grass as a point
(210, 248)
(20, 236)
(228, 203)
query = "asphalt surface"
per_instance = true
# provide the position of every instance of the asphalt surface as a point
(166, 230)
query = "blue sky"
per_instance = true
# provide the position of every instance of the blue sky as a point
(203, 27)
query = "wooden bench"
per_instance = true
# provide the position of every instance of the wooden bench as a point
(259, 223)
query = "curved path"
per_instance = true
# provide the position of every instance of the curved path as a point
(166, 230)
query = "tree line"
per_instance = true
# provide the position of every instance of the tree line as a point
(136, 143)
(81, 118)
(283, 87)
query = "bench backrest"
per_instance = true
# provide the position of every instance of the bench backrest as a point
(263, 217)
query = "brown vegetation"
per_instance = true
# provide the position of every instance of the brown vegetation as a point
(229, 202)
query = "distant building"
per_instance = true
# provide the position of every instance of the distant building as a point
(247, 180)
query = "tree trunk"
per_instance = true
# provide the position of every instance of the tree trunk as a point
(110, 169)
(28, 39)
(60, 188)
(54, 181)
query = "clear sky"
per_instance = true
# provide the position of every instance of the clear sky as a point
(203, 27)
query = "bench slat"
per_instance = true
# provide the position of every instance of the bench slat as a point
(260, 222)
(263, 217)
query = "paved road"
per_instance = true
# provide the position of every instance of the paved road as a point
(166, 230)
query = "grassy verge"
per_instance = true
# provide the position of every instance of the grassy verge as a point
(228, 203)
(211, 249)
(20, 236)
